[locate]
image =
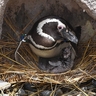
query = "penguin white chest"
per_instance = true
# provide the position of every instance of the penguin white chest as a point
(50, 52)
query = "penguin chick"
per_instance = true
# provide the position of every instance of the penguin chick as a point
(61, 63)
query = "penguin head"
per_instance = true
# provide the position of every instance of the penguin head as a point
(55, 29)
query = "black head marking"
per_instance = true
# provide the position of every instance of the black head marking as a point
(52, 30)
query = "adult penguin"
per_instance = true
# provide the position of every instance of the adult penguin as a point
(51, 39)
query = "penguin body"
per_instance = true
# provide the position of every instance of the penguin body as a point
(48, 53)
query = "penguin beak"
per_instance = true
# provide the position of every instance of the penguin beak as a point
(69, 36)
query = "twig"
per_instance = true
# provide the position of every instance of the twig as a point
(12, 60)
(25, 60)
(80, 89)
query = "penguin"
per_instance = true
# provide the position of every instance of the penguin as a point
(51, 39)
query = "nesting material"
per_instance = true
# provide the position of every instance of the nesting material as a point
(25, 69)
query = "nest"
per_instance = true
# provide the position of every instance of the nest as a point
(26, 70)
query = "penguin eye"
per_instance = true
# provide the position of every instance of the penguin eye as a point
(60, 28)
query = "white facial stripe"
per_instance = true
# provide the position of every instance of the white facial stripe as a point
(37, 45)
(40, 32)
(41, 24)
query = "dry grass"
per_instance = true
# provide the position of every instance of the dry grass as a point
(25, 70)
